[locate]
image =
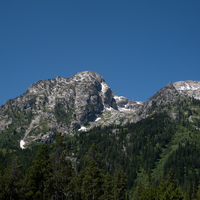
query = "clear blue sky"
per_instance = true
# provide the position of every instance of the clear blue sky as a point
(138, 46)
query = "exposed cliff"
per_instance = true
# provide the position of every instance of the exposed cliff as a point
(61, 105)
(79, 103)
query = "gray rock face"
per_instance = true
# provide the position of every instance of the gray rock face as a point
(79, 103)
(58, 105)
(131, 106)
(162, 97)
(189, 88)
(121, 101)
(167, 95)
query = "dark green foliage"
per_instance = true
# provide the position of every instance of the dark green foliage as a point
(92, 181)
(52, 176)
(144, 142)
(61, 169)
(157, 143)
(120, 184)
(166, 189)
(10, 182)
(61, 114)
(107, 187)
(38, 174)
(185, 160)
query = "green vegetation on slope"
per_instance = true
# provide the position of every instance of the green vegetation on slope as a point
(157, 143)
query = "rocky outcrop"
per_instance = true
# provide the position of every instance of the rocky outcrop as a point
(189, 88)
(58, 105)
(79, 103)
(131, 106)
(162, 97)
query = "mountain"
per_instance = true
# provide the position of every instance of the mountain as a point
(80, 102)
(65, 105)
(156, 135)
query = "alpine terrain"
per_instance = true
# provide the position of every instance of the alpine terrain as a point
(65, 105)
(137, 150)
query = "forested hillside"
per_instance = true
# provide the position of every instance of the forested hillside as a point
(151, 146)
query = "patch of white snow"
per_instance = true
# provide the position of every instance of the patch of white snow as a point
(97, 119)
(118, 97)
(188, 87)
(124, 109)
(22, 143)
(193, 88)
(104, 87)
(82, 128)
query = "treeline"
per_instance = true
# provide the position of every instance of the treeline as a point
(186, 164)
(166, 189)
(139, 146)
(52, 176)
(134, 146)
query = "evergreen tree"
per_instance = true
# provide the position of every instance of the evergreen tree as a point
(138, 194)
(61, 169)
(198, 194)
(194, 192)
(108, 189)
(92, 181)
(11, 181)
(38, 175)
(172, 192)
(24, 187)
(78, 181)
(161, 189)
(73, 188)
(121, 182)
(151, 193)
(2, 191)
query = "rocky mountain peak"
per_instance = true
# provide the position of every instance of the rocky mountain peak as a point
(79, 103)
(170, 85)
(59, 105)
(89, 76)
(162, 97)
(189, 88)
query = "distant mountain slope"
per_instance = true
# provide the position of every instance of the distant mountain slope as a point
(64, 105)
(80, 103)
(189, 88)
(157, 142)
(164, 132)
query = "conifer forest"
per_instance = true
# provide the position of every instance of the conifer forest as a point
(155, 158)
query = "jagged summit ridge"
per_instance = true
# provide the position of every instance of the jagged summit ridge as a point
(88, 76)
(63, 105)
(80, 103)
(189, 87)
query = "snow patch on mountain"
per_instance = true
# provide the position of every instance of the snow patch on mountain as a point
(82, 128)
(109, 108)
(118, 97)
(22, 143)
(188, 87)
(124, 109)
(104, 87)
(97, 119)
